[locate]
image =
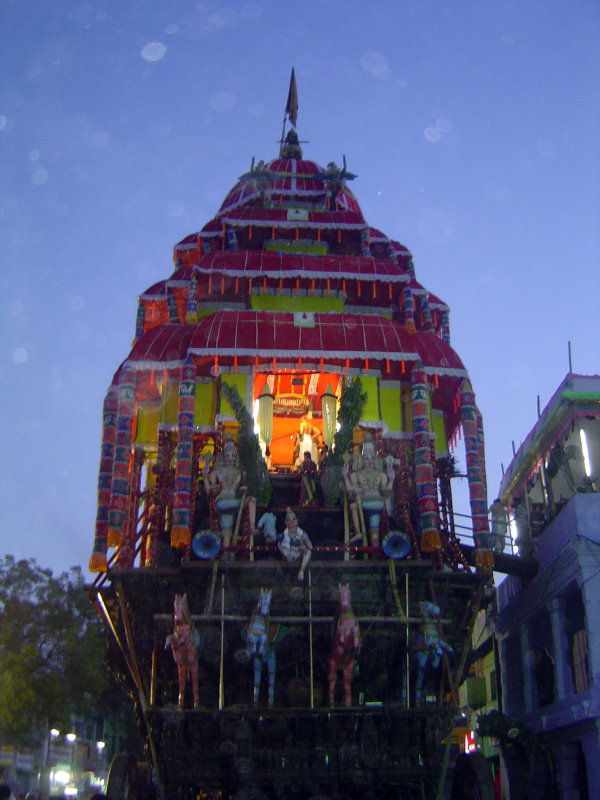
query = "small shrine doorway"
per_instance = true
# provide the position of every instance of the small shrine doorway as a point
(295, 412)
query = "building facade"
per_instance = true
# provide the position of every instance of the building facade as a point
(548, 628)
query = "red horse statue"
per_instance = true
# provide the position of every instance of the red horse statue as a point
(183, 643)
(346, 645)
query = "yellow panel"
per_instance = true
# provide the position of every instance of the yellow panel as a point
(239, 381)
(311, 248)
(148, 418)
(407, 402)
(439, 428)
(205, 403)
(170, 404)
(391, 412)
(371, 409)
(279, 302)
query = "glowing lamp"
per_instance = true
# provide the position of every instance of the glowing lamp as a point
(329, 410)
(586, 453)
(265, 415)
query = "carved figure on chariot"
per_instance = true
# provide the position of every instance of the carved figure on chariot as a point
(345, 646)
(184, 644)
(308, 480)
(307, 438)
(225, 481)
(369, 488)
(427, 650)
(259, 638)
(295, 545)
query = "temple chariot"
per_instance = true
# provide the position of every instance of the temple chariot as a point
(285, 594)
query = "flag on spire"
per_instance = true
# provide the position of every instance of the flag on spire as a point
(291, 107)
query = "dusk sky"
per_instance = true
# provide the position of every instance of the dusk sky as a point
(473, 127)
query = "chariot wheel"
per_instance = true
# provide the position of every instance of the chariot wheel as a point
(473, 778)
(122, 778)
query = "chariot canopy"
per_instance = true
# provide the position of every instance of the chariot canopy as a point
(287, 287)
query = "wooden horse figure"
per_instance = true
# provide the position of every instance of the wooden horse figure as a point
(429, 647)
(258, 645)
(346, 645)
(183, 643)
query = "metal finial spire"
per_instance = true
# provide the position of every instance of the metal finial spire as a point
(291, 113)
(291, 107)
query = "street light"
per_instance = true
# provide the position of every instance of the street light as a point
(71, 738)
(100, 746)
(46, 769)
(52, 734)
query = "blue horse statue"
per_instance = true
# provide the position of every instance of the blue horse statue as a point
(258, 645)
(428, 649)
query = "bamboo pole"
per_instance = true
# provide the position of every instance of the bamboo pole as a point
(221, 664)
(395, 620)
(137, 676)
(310, 639)
(346, 528)
(445, 659)
(153, 674)
(133, 660)
(212, 589)
(406, 637)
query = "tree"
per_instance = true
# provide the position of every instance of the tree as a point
(51, 651)
(251, 458)
(352, 402)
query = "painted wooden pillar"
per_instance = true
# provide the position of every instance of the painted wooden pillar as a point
(403, 487)
(476, 476)
(119, 494)
(409, 311)
(172, 307)
(159, 498)
(127, 550)
(232, 242)
(181, 534)
(445, 327)
(427, 318)
(365, 250)
(109, 428)
(483, 471)
(139, 321)
(424, 477)
(191, 316)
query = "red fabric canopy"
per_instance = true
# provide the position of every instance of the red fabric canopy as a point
(259, 263)
(288, 177)
(334, 337)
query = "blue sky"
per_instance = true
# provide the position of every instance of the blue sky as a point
(473, 128)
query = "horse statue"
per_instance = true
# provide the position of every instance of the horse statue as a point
(258, 645)
(346, 645)
(184, 646)
(428, 649)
